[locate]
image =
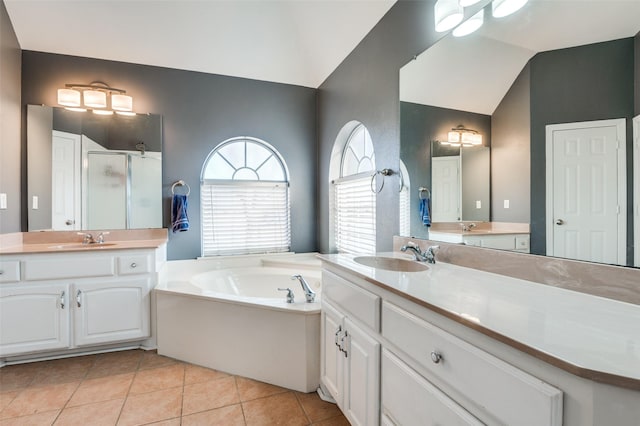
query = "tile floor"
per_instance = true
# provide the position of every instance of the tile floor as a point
(139, 388)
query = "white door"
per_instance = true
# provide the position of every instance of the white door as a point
(361, 405)
(111, 311)
(445, 193)
(332, 362)
(33, 318)
(65, 181)
(636, 188)
(586, 191)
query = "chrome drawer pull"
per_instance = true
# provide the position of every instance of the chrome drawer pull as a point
(78, 294)
(62, 300)
(436, 357)
(338, 332)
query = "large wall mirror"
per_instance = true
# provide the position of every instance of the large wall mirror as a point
(86, 171)
(517, 81)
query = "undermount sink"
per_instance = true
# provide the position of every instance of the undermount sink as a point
(391, 263)
(69, 246)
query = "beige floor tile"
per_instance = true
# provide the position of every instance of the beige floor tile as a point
(158, 378)
(151, 359)
(170, 422)
(151, 407)
(281, 409)
(97, 414)
(40, 419)
(252, 389)
(63, 370)
(334, 421)
(6, 398)
(196, 374)
(102, 389)
(113, 363)
(226, 416)
(315, 408)
(39, 399)
(209, 395)
(13, 377)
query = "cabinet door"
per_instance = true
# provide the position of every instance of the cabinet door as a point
(332, 359)
(362, 387)
(33, 318)
(111, 311)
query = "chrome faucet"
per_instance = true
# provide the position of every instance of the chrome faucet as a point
(100, 237)
(87, 238)
(428, 256)
(467, 228)
(309, 294)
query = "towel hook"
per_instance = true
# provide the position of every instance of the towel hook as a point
(180, 183)
(421, 192)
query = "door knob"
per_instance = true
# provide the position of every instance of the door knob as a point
(559, 222)
(70, 222)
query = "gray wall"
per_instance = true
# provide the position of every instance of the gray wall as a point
(365, 87)
(421, 124)
(39, 154)
(200, 111)
(10, 147)
(636, 73)
(593, 82)
(510, 153)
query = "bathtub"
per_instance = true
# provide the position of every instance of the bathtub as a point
(227, 314)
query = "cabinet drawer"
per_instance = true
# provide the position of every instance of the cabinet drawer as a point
(9, 271)
(522, 243)
(420, 402)
(360, 303)
(134, 264)
(74, 266)
(507, 393)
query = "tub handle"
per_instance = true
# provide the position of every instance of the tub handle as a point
(290, 296)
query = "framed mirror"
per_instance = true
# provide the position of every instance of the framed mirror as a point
(86, 171)
(520, 76)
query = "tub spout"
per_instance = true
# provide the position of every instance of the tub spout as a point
(309, 294)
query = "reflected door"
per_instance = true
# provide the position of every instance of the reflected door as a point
(65, 181)
(586, 187)
(445, 182)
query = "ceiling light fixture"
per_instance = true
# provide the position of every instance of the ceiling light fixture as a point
(95, 96)
(461, 136)
(502, 8)
(470, 25)
(448, 14)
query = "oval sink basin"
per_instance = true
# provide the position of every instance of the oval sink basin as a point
(391, 263)
(81, 246)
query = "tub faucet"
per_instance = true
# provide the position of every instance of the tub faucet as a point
(309, 294)
(415, 250)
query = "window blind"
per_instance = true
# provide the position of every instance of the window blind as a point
(355, 216)
(245, 218)
(405, 212)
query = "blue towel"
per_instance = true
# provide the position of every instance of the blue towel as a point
(425, 211)
(179, 218)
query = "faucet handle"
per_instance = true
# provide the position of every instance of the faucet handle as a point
(86, 237)
(290, 296)
(100, 237)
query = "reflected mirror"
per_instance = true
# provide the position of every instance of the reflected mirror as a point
(517, 81)
(86, 171)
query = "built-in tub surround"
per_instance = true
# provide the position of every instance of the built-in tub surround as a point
(610, 281)
(70, 241)
(226, 313)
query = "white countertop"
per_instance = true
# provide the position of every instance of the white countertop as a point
(588, 332)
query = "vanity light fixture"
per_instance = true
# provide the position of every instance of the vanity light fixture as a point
(448, 14)
(461, 136)
(95, 96)
(502, 8)
(470, 25)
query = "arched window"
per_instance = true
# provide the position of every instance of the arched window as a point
(354, 203)
(245, 199)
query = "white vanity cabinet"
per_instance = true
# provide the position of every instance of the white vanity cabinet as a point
(350, 362)
(76, 300)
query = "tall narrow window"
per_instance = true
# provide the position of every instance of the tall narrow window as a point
(245, 199)
(354, 201)
(405, 201)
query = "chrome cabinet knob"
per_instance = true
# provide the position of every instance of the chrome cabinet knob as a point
(134, 264)
(559, 222)
(436, 357)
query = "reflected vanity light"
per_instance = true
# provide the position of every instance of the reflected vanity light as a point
(470, 25)
(448, 14)
(467, 3)
(461, 136)
(95, 96)
(502, 8)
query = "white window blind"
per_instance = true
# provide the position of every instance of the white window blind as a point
(244, 218)
(405, 211)
(354, 215)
